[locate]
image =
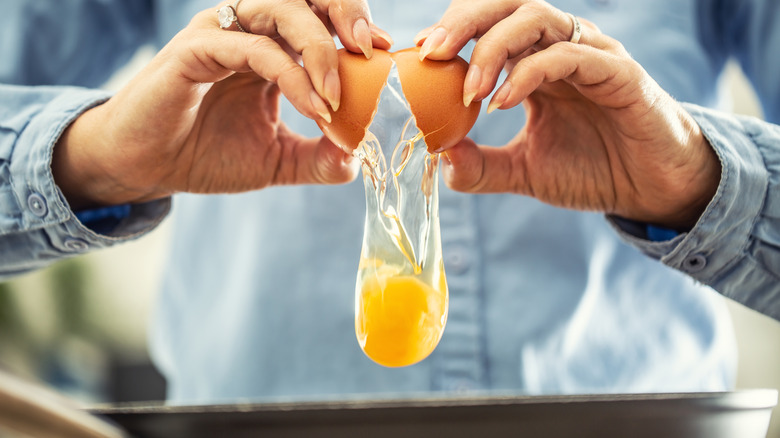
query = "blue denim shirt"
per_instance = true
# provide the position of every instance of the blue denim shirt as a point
(258, 299)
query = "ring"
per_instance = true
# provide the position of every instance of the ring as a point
(576, 33)
(227, 16)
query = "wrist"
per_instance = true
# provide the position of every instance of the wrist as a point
(74, 167)
(85, 167)
(705, 175)
(684, 182)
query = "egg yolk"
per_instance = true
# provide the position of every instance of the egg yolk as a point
(399, 318)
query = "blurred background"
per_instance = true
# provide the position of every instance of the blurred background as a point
(80, 325)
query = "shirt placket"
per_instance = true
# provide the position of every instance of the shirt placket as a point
(459, 360)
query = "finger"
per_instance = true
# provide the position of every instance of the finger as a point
(328, 164)
(422, 35)
(209, 54)
(306, 34)
(379, 38)
(303, 32)
(606, 78)
(462, 21)
(351, 19)
(534, 26)
(468, 167)
(313, 161)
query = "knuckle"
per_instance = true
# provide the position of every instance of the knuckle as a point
(261, 25)
(288, 70)
(491, 48)
(616, 47)
(294, 83)
(265, 55)
(571, 49)
(203, 17)
(458, 17)
(527, 65)
(536, 8)
(320, 52)
(289, 12)
(322, 46)
(260, 45)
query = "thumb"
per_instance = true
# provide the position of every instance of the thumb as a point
(320, 161)
(468, 167)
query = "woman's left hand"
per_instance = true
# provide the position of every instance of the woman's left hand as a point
(600, 133)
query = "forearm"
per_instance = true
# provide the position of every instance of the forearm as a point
(86, 164)
(735, 245)
(37, 225)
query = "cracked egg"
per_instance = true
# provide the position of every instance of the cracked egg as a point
(433, 89)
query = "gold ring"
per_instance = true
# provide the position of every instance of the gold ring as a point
(576, 32)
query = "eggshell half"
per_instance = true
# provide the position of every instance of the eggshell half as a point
(361, 83)
(434, 90)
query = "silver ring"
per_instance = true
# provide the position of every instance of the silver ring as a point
(227, 16)
(576, 32)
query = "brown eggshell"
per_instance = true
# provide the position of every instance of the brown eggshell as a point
(434, 90)
(361, 83)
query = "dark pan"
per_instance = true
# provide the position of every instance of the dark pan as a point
(740, 414)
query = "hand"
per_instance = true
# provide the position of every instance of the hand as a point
(203, 116)
(600, 134)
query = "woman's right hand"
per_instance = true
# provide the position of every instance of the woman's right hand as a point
(203, 115)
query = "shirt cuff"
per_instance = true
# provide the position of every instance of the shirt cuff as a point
(35, 214)
(730, 247)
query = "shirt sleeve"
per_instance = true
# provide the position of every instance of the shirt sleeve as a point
(45, 45)
(37, 226)
(735, 246)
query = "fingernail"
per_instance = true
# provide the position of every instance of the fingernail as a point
(423, 34)
(362, 36)
(471, 85)
(319, 106)
(500, 97)
(332, 88)
(434, 40)
(381, 34)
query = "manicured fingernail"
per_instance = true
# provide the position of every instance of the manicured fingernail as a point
(362, 36)
(319, 106)
(434, 40)
(423, 34)
(381, 34)
(471, 85)
(332, 88)
(500, 97)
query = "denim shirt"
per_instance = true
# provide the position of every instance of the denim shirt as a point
(258, 296)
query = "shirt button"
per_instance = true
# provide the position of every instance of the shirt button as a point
(37, 204)
(457, 261)
(694, 263)
(76, 245)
